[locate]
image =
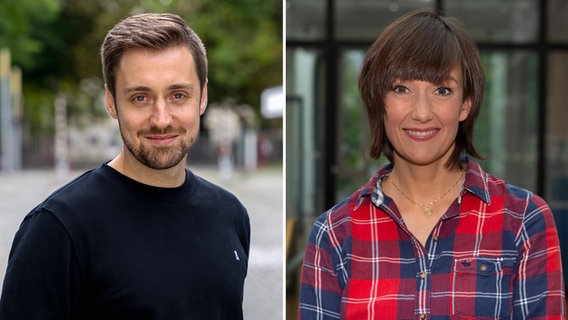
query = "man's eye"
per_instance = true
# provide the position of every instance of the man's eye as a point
(139, 98)
(178, 96)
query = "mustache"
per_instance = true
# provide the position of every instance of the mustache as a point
(162, 131)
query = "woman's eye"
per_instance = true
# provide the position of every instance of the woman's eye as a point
(444, 91)
(400, 89)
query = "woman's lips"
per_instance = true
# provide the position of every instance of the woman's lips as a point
(421, 134)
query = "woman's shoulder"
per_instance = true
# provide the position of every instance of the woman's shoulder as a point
(516, 198)
(361, 198)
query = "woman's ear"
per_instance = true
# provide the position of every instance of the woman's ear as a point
(109, 103)
(465, 109)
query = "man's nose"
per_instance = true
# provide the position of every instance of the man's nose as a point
(161, 116)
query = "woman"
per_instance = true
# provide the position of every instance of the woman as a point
(431, 235)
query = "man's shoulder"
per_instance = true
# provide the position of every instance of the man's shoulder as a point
(65, 201)
(87, 183)
(80, 194)
(213, 191)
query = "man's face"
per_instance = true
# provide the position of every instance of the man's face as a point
(158, 103)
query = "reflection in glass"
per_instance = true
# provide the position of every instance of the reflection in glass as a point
(354, 167)
(305, 19)
(557, 20)
(490, 21)
(557, 131)
(506, 130)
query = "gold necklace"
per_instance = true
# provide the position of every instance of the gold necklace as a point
(427, 206)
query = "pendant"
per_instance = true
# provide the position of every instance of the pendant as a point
(428, 211)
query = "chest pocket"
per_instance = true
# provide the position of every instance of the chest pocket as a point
(481, 288)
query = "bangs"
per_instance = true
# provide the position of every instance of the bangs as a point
(437, 72)
(430, 54)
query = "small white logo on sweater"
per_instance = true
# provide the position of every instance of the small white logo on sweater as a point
(237, 256)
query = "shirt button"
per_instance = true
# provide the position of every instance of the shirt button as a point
(483, 267)
(423, 316)
(435, 238)
(423, 275)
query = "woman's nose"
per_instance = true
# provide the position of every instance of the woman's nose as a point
(422, 110)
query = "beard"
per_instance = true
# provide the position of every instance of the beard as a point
(159, 158)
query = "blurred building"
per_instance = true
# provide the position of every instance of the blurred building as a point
(522, 129)
(87, 142)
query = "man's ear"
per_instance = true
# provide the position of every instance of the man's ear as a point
(465, 109)
(203, 102)
(109, 103)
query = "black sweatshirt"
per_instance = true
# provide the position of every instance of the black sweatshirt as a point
(107, 247)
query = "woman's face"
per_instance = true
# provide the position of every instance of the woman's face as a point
(422, 119)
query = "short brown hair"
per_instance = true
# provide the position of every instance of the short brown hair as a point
(153, 31)
(421, 45)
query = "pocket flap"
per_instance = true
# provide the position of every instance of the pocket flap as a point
(482, 266)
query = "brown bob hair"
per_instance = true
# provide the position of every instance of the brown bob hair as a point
(421, 45)
(152, 31)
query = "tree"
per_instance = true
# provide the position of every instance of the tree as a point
(57, 43)
(19, 23)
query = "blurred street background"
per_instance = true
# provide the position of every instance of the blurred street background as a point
(260, 191)
(53, 124)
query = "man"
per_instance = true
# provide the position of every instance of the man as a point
(140, 237)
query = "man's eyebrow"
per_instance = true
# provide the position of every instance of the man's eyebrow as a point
(137, 88)
(186, 86)
(176, 86)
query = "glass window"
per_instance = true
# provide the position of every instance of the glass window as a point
(557, 131)
(365, 19)
(305, 19)
(302, 129)
(557, 145)
(354, 167)
(506, 129)
(557, 22)
(490, 21)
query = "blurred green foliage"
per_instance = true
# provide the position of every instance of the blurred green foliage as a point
(57, 43)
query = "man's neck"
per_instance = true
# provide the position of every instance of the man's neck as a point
(165, 178)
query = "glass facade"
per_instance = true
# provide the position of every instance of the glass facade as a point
(506, 132)
(556, 145)
(522, 129)
(557, 24)
(306, 19)
(513, 21)
(362, 20)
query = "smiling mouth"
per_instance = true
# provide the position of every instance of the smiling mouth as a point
(420, 134)
(169, 136)
(162, 139)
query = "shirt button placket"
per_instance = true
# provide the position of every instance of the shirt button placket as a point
(423, 276)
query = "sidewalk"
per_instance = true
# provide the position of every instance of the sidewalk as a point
(261, 192)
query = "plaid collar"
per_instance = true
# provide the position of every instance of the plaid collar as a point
(475, 183)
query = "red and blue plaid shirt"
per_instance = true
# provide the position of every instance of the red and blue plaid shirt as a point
(493, 255)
